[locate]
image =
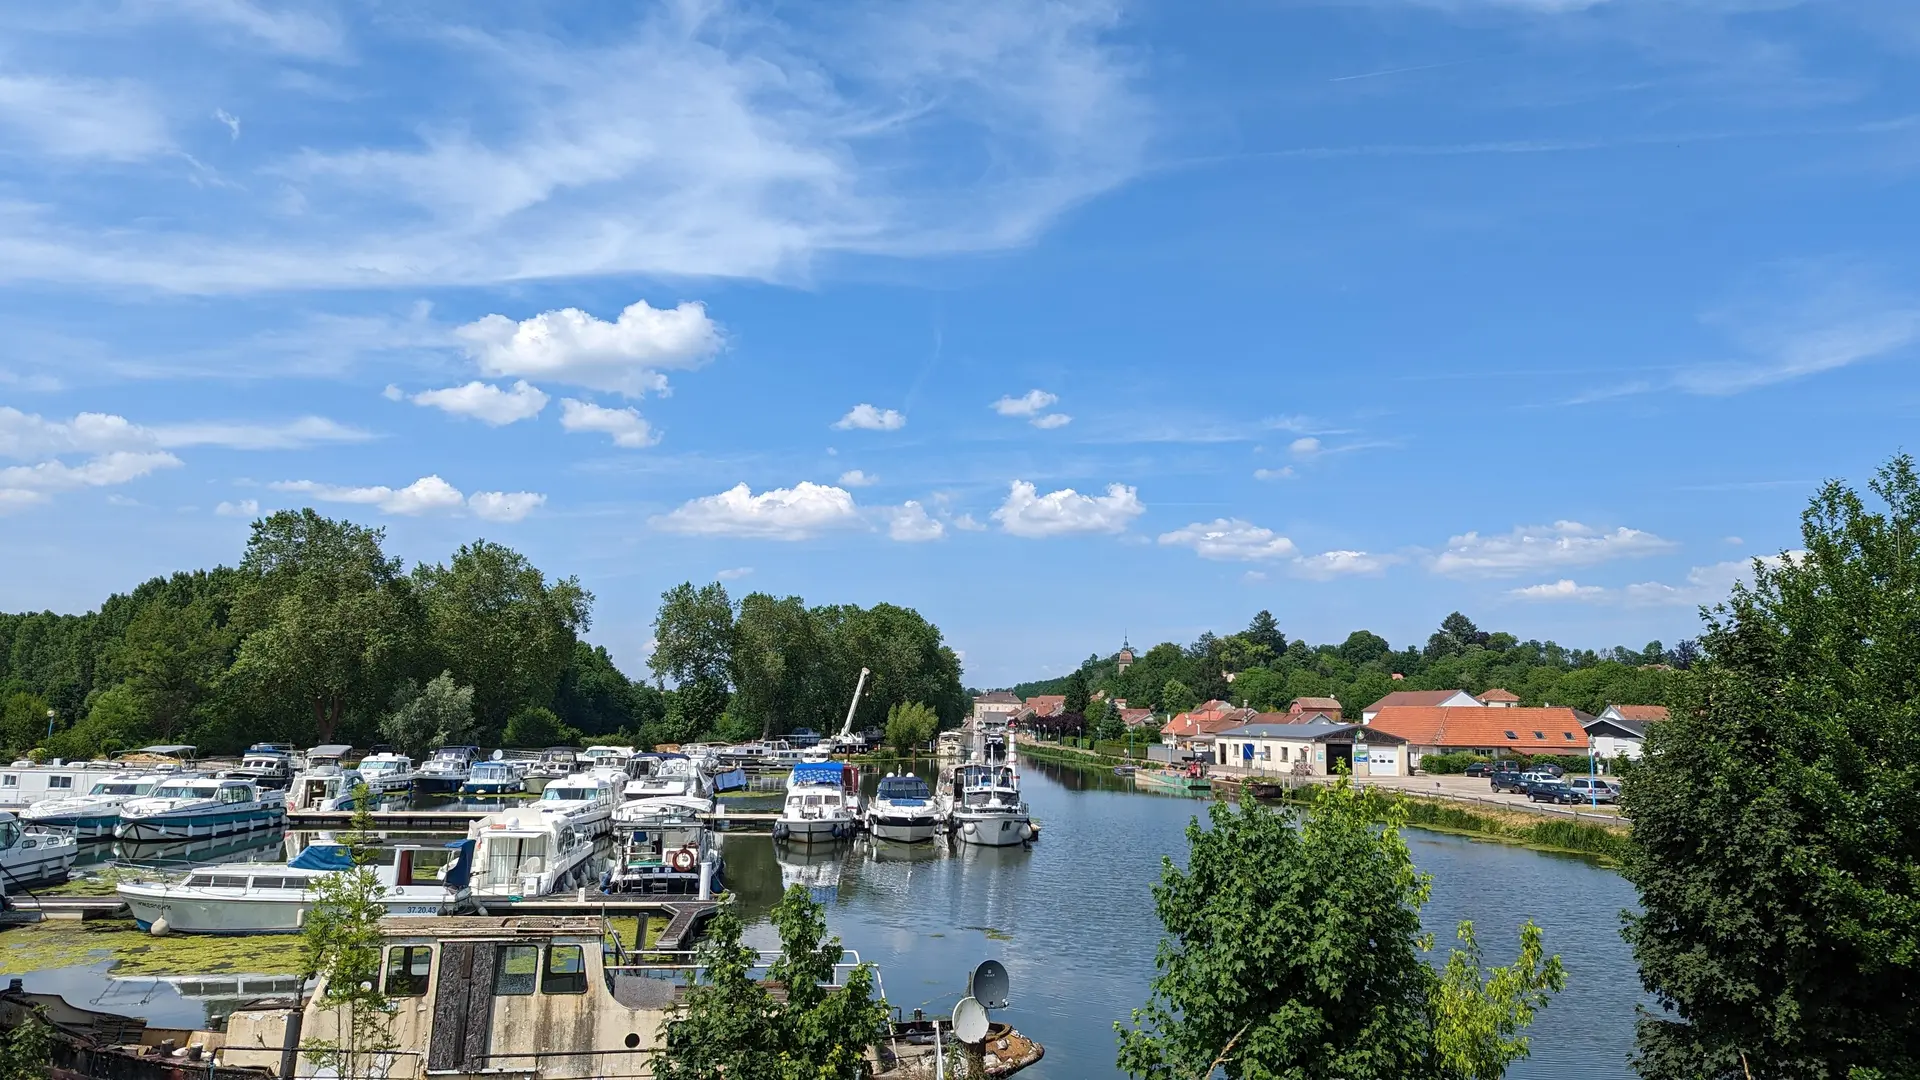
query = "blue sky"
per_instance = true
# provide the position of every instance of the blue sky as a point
(1059, 322)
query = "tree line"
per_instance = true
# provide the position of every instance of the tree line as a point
(1268, 671)
(319, 636)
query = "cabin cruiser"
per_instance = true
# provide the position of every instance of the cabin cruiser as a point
(269, 765)
(823, 801)
(33, 853)
(192, 808)
(553, 763)
(94, 814)
(586, 799)
(652, 776)
(609, 756)
(386, 773)
(274, 898)
(983, 806)
(667, 848)
(324, 788)
(496, 777)
(903, 809)
(446, 770)
(24, 783)
(527, 852)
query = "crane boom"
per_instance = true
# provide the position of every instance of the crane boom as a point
(846, 729)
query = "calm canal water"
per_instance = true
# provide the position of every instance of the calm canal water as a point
(1072, 919)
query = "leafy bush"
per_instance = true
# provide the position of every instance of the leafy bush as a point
(1448, 764)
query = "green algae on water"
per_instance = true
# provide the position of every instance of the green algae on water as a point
(59, 944)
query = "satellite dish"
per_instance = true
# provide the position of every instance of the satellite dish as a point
(498, 754)
(989, 984)
(970, 1020)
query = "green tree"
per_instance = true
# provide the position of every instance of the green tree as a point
(1776, 838)
(733, 1027)
(693, 647)
(424, 717)
(341, 943)
(169, 660)
(1297, 953)
(910, 727)
(534, 726)
(327, 618)
(1103, 721)
(23, 721)
(1265, 630)
(1177, 697)
(776, 648)
(1364, 647)
(1076, 694)
(26, 1052)
(596, 697)
(501, 627)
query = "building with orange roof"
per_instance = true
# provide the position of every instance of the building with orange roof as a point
(1303, 706)
(1194, 729)
(1445, 729)
(1498, 698)
(1427, 698)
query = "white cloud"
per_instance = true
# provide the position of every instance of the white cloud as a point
(1284, 472)
(278, 26)
(1028, 404)
(1328, 565)
(627, 356)
(966, 523)
(734, 574)
(1067, 512)
(114, 467)
(854, 478)
(245, 508)
(290, 435)
(231, 122)
(393, 393)
(427, 494)
(504, 505)
(794, 513)
(26, 435)
(869, 418)
(82, 118)
(1564, 589)
(486, 402)
(12, 499)
(1230, 539)
(626, 426)
(909, 523)
(1051, 421)
(1304, 447)
(1536, 547)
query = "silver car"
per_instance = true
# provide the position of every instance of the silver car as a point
(1592, 789)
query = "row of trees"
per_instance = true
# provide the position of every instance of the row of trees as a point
(316, 636)
(769, 665)
(1269, 671)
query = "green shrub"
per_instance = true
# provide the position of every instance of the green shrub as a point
(1448, 764)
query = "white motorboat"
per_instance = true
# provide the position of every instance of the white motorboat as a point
(668, 848)
(24, 783)
(446, 770)
(553, 763)
(586, 799)
(274, 898)
(498, 777)
(324, 787)
(609, 756)
(983, 806)
(194, 808)
(823, 803)
(269, 765)
(386, 773)
(94, 814)
(903, 809)
(33, 853)
(529, 852)
(653, 776)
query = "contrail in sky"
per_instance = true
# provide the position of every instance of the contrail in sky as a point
(1401, 71)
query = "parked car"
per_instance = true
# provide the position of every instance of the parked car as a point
(1479, 768)
(1553, 791)
(1593, 789)
(1506, 777)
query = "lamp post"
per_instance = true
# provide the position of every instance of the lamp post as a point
(50, 715)
(1593, 774)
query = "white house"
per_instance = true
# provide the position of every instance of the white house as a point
(1621, 730)
(1272, 747)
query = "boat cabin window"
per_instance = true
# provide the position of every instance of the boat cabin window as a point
(514, 970)
(229, 881)
(180, 791)
(408, 967)
(234, 794)
(9, 832)
(278, 883)
(57, 782)
(200, 881)
(566, 971)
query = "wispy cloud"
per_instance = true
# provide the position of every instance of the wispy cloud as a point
(1535, 547)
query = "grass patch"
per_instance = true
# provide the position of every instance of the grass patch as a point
(1585, 836)
(59, 944)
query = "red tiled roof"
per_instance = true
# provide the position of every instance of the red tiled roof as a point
(1206, 721)
(1411, 697)
(1315, 704)
(1642, 713)
(1047, 704)
(1553, 730)
(1497, 694)
(1135, 717)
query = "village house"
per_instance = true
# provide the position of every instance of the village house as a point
(1047, 705)
(1440, 699)
(995, 703)
(1446, 729)
(1194, 729)
(1307, 706)
(1621, 730)
(1273, 744)
(1134, 718)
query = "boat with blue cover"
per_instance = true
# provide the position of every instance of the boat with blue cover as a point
(903, 809)
(198, 807)
(823, 803)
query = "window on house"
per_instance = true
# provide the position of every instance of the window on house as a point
(514, 969)
(1266, 753)
(1541, 735)
(1568, 734)
(408, 967)
(1512, 736)
(566, 971)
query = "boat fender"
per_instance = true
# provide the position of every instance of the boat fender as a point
(159, 927)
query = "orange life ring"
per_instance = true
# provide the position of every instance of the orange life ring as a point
(683, 860)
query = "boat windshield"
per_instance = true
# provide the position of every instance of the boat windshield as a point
(904, 788)
(371, 767)
(185, 791)
(555, 793)
(120, 788)
(492, 770)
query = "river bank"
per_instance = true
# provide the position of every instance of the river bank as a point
(1604, 841)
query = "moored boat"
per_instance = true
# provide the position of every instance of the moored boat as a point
(274, 898)
(193, 808)
(652, 776)
(903, 809)
(267, 765)
(1190, 779)
(445, 770)
(984, 807)
(496, 778)
(822, 805)
(324, 787)
(586, 799)
(30, 854)
(553, 763)
(94, 814)
(386, 773)
(527, 852)
(24, 783)
(667, 848)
